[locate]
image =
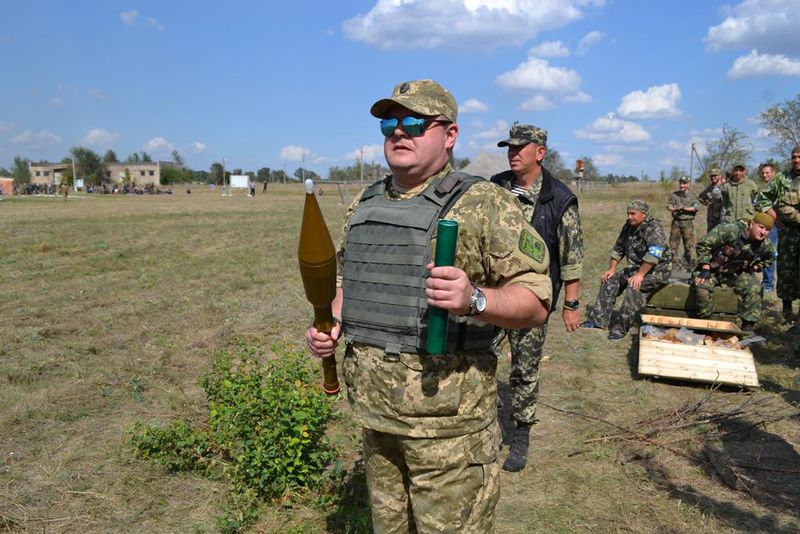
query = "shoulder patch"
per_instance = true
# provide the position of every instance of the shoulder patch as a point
(531, 246)
(655, 250)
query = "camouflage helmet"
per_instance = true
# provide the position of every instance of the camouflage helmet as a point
(522, 134)
(425, 97)
(639, 205)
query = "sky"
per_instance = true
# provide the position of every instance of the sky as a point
(630, 83)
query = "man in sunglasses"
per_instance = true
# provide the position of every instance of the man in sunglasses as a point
(430, 430)
(553, 210)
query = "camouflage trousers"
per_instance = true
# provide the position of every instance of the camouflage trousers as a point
(746, 287)
(526, 354)
(683, 231)
(433, 484)
(789, 264)
(633, 301)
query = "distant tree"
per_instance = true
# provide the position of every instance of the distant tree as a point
(89, 165)
(176, 175)
(304, 174)
(553, 161)
(216, 173)
(279, 176)
(564, 175)
(459, 163)
(5, 172)
(21, 171)
(728, 150)
(782, 121)
(134, 158)
(177, 158)
(592, 173)
(67, 177)
(237, 171)
(202, 177)
(263, 174)
(146, 157)
(676, 172)
(110, 157)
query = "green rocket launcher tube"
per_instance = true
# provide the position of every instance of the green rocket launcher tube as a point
(446, 238)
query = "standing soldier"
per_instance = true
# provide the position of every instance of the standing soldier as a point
(730, 255)
(683, 206)
(643, 242)
(775, 185)
(711, 196)
(64, 189)
(553, 211)
(788, 209)
(738, 195)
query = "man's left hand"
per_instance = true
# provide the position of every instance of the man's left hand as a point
(448, 288)
(572, 319)
(635, 281)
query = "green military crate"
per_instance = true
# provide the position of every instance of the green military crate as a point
(677, 299)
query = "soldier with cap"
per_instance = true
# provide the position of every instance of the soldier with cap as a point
(430, 432)
(643, 243)
(774, 186)
(683, 205)
(738, 195)
(553, 211)
(730, 255)
(711, 196)
(788, 210)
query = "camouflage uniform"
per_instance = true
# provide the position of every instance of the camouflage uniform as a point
(711, 196)
(527, 343)
(682, 228)
(431, 436)
(767, 198)
(645, 243)
(788, 210)
(737, 200)
(732, 257)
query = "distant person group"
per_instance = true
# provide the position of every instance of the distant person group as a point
(431, 435)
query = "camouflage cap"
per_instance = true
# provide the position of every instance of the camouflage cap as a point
(763, 219)
(715, 171)
(639, 205)
(739, 165)
(522, 134)
(684, 180)
(425, 97)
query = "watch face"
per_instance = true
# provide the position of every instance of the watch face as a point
(480, 300)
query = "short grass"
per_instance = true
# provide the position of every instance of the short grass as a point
(112, 307)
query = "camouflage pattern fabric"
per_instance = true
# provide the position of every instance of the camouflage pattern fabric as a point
(769, 196)
(788, 210)
(451, 483)
(645, 243)
(746, 287)
(737, 200)
(425, 97)
(711, 196)
(522, 134)
(683, 199)
(527, 346)
(683, 231)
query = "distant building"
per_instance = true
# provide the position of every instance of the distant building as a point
(140, 173)
(6, 185)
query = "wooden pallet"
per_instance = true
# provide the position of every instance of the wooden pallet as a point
(698, 363)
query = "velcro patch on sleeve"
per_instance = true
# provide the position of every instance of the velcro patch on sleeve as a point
(655, 251)
(531, 246)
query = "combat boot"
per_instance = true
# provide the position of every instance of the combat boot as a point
(518, 453)
(749, 328)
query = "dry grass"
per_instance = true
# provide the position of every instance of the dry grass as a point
(113, 306)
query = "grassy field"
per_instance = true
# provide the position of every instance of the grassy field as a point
(112, 307)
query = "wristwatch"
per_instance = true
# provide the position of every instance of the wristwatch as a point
(477, 303)
(572, 304)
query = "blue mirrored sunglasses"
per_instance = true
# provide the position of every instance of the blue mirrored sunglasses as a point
(413, 126)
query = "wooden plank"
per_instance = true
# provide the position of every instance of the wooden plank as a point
(700, 375)
(693, 324)
(699, 352)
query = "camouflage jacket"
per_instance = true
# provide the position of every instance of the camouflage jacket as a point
(711, 196)
(728, 250)
(644, 243)
(681, 200)
(737, 200)
(788, 207)
(769, 195)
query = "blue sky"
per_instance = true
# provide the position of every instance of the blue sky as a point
(630, 83)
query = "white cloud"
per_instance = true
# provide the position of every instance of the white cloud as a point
(657, 102)
(153, 23)
(578, 98)
(588, 41)
(97, 94)
(198, 147)
(537, 75)
(767, 25)
(6, 126)
(685, 147)
(369, 152)
(607, 159)
(295, 153)
(763, 133)
(57, 102)
(537, 103)
(36, 139)
(611, 129)
(100, 138)
(755, 65)
(473, 105)
(158, 145)
(129, 17)
(497, 132)
(460, 24)
(549, 49)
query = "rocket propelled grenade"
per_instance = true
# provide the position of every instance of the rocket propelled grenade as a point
(317, 259)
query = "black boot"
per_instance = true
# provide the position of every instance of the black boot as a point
(518, 454)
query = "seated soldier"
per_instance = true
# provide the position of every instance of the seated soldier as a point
(730, 255)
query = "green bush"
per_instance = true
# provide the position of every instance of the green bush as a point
(266, 430)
